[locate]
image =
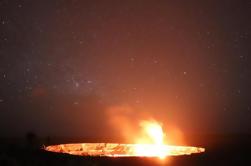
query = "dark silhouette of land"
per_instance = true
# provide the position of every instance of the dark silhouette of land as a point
(221, 150)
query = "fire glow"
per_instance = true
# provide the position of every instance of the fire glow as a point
(153, 132)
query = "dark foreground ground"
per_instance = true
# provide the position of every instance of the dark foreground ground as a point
(223, 150)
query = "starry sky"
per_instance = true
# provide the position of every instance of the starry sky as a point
(64, 63)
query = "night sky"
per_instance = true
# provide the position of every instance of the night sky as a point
(68, 66)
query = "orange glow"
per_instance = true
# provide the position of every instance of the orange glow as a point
(150, 144)
(123, 150)
(152, 131)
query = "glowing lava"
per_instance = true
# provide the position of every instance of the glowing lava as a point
(151, 144)
(154, 132)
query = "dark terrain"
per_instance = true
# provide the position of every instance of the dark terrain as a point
(220, 150)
